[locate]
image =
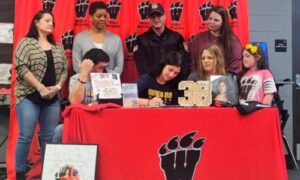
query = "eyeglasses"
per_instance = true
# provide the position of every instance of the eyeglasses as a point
(252, 48)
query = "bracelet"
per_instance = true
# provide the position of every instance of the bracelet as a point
(82, 82)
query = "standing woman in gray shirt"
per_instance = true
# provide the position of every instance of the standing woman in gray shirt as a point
(41, 71)
(98, 37)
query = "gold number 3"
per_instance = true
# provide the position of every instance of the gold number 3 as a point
(198, 93)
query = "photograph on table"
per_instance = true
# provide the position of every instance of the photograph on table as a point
(70, 161)
(224, 90)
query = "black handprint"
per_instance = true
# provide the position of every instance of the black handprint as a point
(232, 8)
(246, 86)
(114, 7)
(48, 5)
(81, 7)
(204, 10)
(176, 11)
(67, 39)
(131, 42)
(179, 158)
(144, 9)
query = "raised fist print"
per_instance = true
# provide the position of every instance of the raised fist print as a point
(246, 86)
(67, 39)
(114, 7)
(232, 9)
(204, 10)
(130, 42)
(81, 7)
(48, 5)
(176, 11)
(144, 9)
(179, 157)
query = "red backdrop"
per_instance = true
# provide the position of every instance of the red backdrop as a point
(127, 19)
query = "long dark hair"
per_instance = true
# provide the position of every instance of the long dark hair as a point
(226, 32)
(261, 64)
(173, 58)
(33, 30)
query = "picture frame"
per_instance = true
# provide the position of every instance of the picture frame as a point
(229, 95)
(69, 161)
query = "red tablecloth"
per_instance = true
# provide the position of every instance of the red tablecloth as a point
(236, 147)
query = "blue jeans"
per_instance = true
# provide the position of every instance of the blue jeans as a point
(29, 114)
(57, 137)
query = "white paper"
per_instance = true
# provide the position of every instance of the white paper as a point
(81, 158)
(6, 33)
(5, 75)
(106, 85)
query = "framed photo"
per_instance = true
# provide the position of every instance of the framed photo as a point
(69, 161)
(224, 89)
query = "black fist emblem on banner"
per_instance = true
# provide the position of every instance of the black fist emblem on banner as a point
(176, 11)
(131, 42)
(144, 9)
(114, 7)
(81, 7)
(204, 10)
(179, 157)
(48, 5)
(67, 39)
(232, 8)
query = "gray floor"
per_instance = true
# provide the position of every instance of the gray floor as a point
(293, 174)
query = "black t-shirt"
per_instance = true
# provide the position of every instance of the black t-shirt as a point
(48, 80)
(149, 88)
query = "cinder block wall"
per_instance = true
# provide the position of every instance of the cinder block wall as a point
(270, 20)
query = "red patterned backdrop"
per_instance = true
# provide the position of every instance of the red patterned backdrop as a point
(127, 19)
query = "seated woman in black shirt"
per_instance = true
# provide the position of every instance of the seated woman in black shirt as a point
(160, 87)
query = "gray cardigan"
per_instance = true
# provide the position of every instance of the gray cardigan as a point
(112, 46)
(31, 57)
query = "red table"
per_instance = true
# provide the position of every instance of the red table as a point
(236, 147)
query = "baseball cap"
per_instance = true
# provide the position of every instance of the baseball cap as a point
(156, 8)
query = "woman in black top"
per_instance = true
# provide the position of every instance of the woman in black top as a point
(41, 71)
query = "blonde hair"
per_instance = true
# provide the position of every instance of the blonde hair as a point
(215, 51)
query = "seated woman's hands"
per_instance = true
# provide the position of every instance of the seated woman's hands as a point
(156, 102)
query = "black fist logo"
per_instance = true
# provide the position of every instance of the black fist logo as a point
(114, 7)
(67, 39)
(176, 11)
(81, 7)
(232, 8)
(48, 5)
(246, 86)
(179, 157)
(144, 8)
(204, 10)
(131, 42)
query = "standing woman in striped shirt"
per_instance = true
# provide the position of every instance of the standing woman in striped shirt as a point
(41, 72)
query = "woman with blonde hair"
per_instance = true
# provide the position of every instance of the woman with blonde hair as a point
(210, 62)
